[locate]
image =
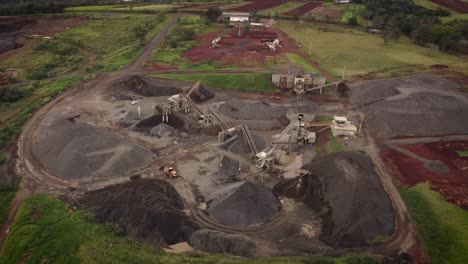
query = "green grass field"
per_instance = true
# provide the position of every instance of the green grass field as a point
(296, 59)
(453, 15)
(334, 47)
(282, 8)
(259, 82)
(442, 226)
(113, 39)
(47, 231)
(463, 153)
(7, 194)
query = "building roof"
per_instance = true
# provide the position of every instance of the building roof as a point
(340, 118)
(236, 14)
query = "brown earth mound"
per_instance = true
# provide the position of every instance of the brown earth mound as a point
(243, 204)
(79, 151)
(148, 210)
(452, 184)
(346, 189)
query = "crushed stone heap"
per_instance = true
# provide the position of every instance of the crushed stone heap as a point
(243, 204)
(149, 210)
(345, 187)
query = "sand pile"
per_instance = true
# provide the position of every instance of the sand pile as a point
(202, 94)
(149, 87)
(347, 189)
(77, 151)
(418, 105)
(149, 210)
(162, 130)
(243, 204)
(220, 243)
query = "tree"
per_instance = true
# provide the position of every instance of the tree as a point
(353, 21)
(140, 32)
(212, 14)
(254, 17)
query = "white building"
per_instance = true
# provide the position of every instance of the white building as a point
(342, 127)
(236, 16)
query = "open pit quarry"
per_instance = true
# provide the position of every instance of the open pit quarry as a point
(247, 182)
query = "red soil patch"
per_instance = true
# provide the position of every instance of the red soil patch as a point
(302, 10)
(453, 185)
(259, 5)
(249, 50)
(455, 5)
(158, 66)
(326, 11)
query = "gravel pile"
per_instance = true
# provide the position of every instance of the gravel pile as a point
(217, 242)
(162, 130)
(148, 210)
(202, 94)
(243, 204)
(254, 110)
(345, 187)
(149, 87)
(417, 105)
(78, 151)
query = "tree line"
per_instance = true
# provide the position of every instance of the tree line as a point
(424, 26)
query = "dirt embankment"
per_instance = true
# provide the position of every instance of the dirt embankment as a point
(75, 151)
(417, 105)
(144, 86)
(220, 243)
(149, 210)
(345, 188)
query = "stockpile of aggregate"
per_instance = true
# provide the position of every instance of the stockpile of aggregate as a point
(176, 121)
(422, 105)
(162, 130)
(251, 110)
(243, 204)
(149, 87)
(217, 242)
(148, 210)
(202, 94)
(346, 189)
(77, 151)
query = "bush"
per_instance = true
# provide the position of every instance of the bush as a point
(353, 21)
(3, 158)
(11, 95)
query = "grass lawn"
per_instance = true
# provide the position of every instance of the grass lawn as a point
(7, 194)
(113, 39)
(463, 153)
(282, 8)
(442, 226)
(252, 82)
(46, 230)
(300, 61)
(334, 47)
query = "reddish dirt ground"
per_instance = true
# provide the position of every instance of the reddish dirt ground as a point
(302, 10)
(259, 5)
(45, 25)
(248, 50)
(200, 7)
(455, 5)
(326, 11)
(453, 185)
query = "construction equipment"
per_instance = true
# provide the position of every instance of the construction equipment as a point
(215, 42)
(169, 171)
(342, 127)
(274, 45)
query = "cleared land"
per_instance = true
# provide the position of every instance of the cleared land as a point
(76, 238)
(258, 5)
(251, 82)
(282, 8)
(334, 47)
(442, 226)
(455, 5)
(303, 9)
